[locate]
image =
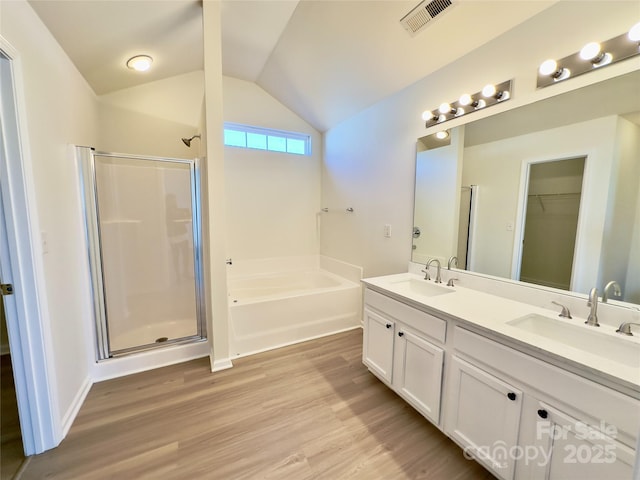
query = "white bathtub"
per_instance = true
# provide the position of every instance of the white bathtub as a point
(272, 309)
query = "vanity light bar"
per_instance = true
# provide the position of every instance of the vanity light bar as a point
(490, 95)
(591, 57)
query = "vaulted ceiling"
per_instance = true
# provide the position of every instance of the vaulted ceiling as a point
(324, 59)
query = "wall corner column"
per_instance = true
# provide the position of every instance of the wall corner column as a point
(218, 328)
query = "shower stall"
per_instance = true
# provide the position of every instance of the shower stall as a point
(143, 230)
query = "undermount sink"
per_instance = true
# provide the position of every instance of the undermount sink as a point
(420, 287)
(589, 339)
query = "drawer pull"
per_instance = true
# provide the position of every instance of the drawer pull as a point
(400, 334)
(511, 395)
(543, 413)
(388, 325)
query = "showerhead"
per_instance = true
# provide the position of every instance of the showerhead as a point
(187, 141)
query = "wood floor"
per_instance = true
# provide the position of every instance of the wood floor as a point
(11, 452)
(310, 411)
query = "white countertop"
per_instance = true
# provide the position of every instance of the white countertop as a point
(492, 313)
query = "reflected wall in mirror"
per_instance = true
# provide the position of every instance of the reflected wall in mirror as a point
(599, 123)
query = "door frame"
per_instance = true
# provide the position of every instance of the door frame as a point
(521, 212)
(26, 310)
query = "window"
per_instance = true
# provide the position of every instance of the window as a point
(245, 136)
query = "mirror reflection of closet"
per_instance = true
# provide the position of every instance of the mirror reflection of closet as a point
(550, 222)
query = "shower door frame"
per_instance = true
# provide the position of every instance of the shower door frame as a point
(89, 191)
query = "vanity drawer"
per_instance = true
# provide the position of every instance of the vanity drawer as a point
(576, 393)
(431, 326)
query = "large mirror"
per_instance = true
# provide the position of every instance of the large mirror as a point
(547, 193)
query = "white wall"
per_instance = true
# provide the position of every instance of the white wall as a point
(369, 158)
(61, 109)
(150, 119)
(496, 168)
(272, 199)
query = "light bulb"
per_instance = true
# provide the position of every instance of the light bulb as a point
(465, 99)
(444, 108)
(548, 67)
(442, 135)
(590, 51)
(140, 63)
(634, 33)
(427, 115)
(489, 90)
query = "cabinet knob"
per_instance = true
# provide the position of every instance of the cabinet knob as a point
(400, 334)
(511, 396)
(388, 325)
(543, 413)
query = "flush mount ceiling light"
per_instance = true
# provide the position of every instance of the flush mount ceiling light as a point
(468, 103)
(592, 56)
(140, 63)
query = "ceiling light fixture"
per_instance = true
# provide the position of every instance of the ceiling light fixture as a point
(447, 111)
(140, 63)
(592, 56)
(442, 134)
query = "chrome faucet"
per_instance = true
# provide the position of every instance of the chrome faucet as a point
(452, 260)
(565, 313)
(625, 328)
(616, 290)
(592, 319)
(438, 277)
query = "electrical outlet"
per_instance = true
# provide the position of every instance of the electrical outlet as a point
(387, 231)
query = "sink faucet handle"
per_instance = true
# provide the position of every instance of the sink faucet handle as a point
(450, 282)
(625, 328)
(426, 274)
(565, 313)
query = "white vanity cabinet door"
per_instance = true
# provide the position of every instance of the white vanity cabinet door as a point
(377, 352)
(418, 373)
(483, 416)
(561, 447)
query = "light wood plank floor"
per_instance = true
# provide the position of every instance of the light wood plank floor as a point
(309, 411)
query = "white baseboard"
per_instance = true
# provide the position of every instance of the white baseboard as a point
(221, 364)
(74, 408)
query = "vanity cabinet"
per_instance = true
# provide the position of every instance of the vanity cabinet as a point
(483, 416)
(520, 416)
(377, 351)
(558, 426)
(558, 445)
(403, 354)
(417, 372)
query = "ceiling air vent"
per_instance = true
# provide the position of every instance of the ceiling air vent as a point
(418, 18)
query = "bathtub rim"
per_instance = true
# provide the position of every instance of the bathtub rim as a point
(343, 284)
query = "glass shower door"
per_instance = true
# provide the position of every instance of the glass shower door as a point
(147, 252)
